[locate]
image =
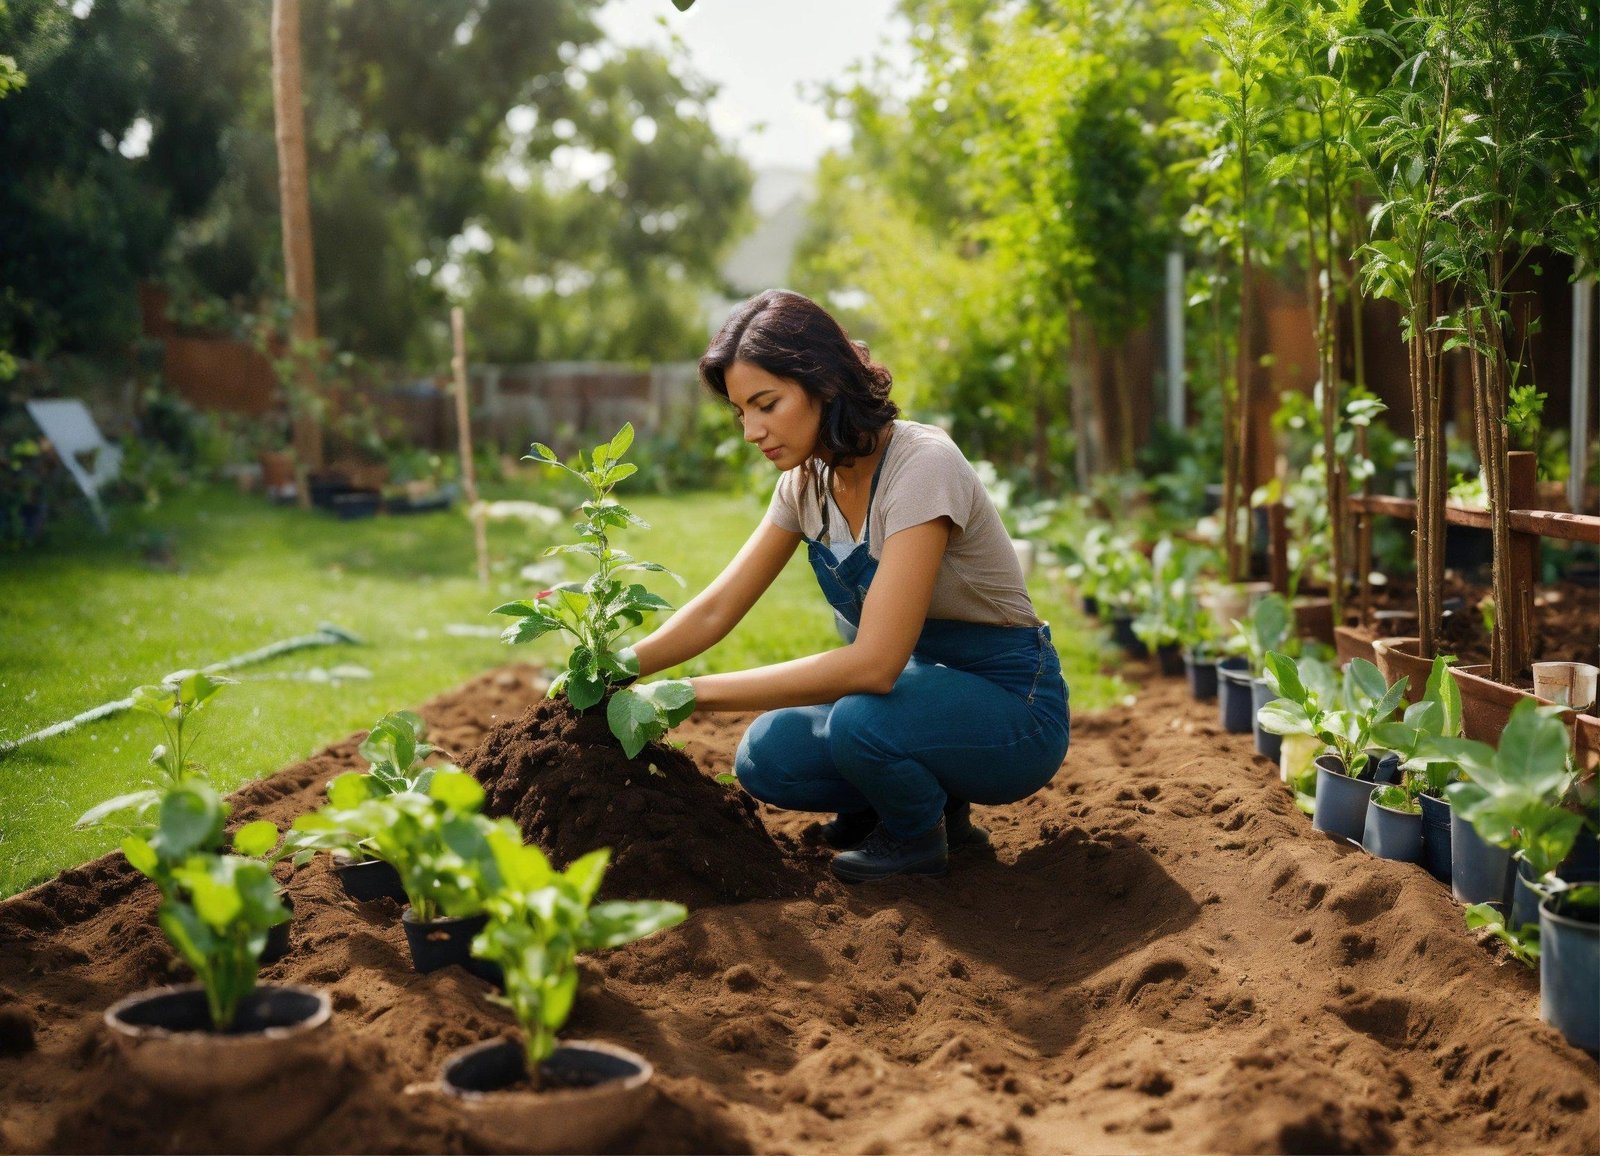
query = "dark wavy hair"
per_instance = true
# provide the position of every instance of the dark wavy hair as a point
(791, 336)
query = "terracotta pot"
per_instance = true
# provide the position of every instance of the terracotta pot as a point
(260, 1085)
(1353, 642)
(560, 1119)
(1397, 658)
(1313, 618)
(1486, 705)
(1586, 742)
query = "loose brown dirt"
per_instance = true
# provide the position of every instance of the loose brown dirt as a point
(1158, 955)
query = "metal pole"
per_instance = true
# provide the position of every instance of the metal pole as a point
(1176, 409)
(469, 479)
(1582, 358)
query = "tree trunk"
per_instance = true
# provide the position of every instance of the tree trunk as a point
(300, 290)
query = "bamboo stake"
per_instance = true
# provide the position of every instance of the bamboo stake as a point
(469, 480)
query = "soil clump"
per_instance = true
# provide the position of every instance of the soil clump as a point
(673, 832)
(1158, 954)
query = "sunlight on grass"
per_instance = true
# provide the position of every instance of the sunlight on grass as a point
(212, 574)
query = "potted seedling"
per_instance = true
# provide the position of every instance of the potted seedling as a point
(1295, 721)
(395, 748)
(597, 612)
(224, 1035)
(1268, 628)
(1514, 797)
(1343, 724)
(1159, 626)
(1125, 591)
(538, 1095)
(1425, 773)
(435, 841)
(1090, 551)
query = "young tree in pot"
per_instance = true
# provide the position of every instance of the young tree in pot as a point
(598, 611)
(540, 920)
(1341, 717)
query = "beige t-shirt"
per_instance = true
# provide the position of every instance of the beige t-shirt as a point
(925, 476)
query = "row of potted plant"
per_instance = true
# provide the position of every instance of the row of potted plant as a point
(474, 895)
(1499, 825)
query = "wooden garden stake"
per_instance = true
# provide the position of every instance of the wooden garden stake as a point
(480, 536)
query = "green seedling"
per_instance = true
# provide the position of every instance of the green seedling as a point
(1341, 714)
(1267, 628)
(597, 612)
(216, 909)
(1397, 798)
(175, 700)
(1523, 944)
(396, 747)
(1513, 796)
(540, 919)
(1436, 715)
(435, 840)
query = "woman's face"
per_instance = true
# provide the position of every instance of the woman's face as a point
(780, 418)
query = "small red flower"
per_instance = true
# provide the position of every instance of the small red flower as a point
(542, 595)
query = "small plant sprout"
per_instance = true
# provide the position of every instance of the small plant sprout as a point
(1269, 627)
(396, 747)
(175, 701)
(540, 919)
(1341, 715)
(433, 840)
(596, 612)
(216, 909)
(1436, 715)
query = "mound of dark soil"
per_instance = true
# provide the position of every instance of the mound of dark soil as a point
(674, 832)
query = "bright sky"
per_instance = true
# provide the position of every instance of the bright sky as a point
(766, 55)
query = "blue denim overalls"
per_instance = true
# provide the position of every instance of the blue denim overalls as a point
(979, 713)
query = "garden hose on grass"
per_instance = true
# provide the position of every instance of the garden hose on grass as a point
(326, 634)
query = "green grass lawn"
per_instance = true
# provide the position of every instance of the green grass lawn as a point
(210, 574)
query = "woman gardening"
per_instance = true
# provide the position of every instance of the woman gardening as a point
(949, 691)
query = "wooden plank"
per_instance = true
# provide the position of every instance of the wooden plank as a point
(1545, 523)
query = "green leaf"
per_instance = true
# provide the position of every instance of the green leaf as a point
(136, 801)
(672, 698)
(622, 440)
(350, 789)
(543, 453)
(1283, 717)
(559, 995)
(727, 779)
(457, 791)
(256, 839)
(191, 820)
(1368, 679)
(586, 873)
(140, 855)
(613, 924)
(584, 689)
(633, 720)
(1285, 677)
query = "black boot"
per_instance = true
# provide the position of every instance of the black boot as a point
(959, 827)
(848, 829)
(882, 855)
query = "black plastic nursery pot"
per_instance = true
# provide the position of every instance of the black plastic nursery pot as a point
(1122, 634)
(1391, 834)
(1341, 804)
(370, 879)
(1202, 674)
(1170, 657)
(1569, 960)
(438, 943)
(593, 1093)
(1524, 901)
(278, 936)
(1436, 837)
(1233, 695)
(1480, 872)
(1267, 743)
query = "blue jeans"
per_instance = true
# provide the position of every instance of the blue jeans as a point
(980, 713)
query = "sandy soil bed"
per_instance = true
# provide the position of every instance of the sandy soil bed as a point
(1158, 955)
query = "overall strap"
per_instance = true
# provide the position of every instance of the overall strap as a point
(872, 492)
